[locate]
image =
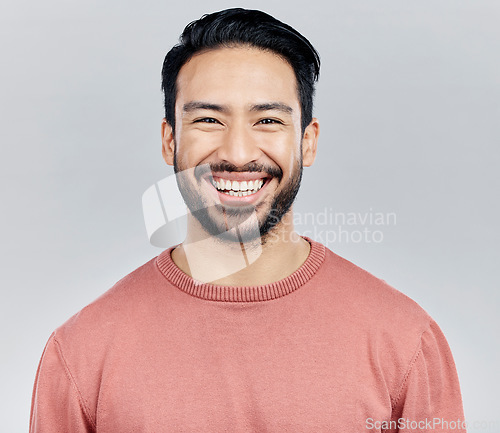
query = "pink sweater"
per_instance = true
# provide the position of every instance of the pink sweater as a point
(330, 348)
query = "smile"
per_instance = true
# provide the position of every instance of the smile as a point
(237, 188)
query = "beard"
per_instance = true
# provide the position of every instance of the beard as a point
(242, 223)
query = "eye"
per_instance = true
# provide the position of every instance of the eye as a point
(269, 122)
(206, 120)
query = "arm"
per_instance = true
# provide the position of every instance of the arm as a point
(430, 392)
(57, 405)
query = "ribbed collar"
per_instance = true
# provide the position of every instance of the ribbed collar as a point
(213, 292)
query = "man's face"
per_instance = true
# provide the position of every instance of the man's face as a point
(238, 124)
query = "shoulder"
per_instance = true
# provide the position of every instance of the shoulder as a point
(370, 297)
(114, 309)
(388, 323)
(84, 349)
(391, 331)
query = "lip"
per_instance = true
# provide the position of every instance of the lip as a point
(226, 175)
(231, 200)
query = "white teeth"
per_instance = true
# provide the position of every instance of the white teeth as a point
(236, 188)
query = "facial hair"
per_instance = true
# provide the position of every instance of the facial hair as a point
(218, 220)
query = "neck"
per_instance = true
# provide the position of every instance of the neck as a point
(257, 262)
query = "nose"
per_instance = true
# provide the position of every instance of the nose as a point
(239, 146)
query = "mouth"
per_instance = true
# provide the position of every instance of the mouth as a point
(238, 188)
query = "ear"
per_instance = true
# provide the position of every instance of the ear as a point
(167, 142)
(310, 142)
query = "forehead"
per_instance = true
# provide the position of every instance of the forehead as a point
(236, 76)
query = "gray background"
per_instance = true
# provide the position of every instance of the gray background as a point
(409, 105)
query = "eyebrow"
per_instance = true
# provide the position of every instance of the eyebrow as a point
(278, 106)
(200, 105)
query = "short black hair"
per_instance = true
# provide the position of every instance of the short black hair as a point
(238, 26)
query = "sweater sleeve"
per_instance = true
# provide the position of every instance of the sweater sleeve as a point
(57, 405)
(429, 398)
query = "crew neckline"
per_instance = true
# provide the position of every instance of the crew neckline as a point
(266, 292)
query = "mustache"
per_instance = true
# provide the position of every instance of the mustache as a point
(203, 169)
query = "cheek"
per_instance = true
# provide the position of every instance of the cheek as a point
(194, 146)
(284, 153)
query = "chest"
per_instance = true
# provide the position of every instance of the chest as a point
(240, 382)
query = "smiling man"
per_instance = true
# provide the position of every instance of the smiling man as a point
(238, 122)
(246, 326)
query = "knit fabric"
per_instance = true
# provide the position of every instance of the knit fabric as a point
(330, 348)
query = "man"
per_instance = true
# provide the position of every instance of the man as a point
(294, 339)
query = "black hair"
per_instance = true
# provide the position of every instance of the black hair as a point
(239, 26)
